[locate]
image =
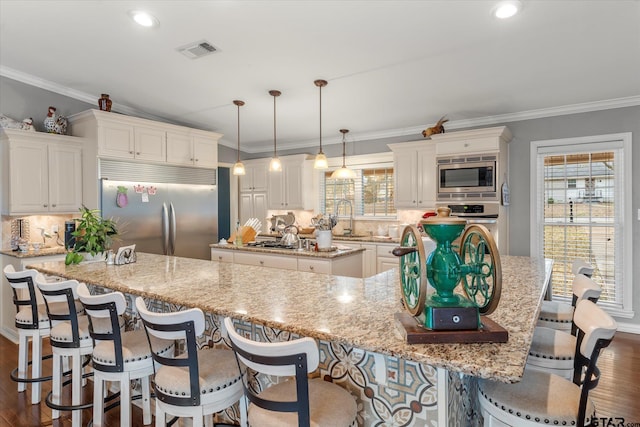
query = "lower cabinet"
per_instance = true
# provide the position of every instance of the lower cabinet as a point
(348, 265)
(385, 259)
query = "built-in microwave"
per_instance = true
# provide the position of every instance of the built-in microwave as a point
(467, 177)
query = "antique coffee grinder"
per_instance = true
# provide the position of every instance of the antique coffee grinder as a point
(475, 264)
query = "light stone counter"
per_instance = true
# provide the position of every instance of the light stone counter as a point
(58, 250)
(339, 252)
(356, 312)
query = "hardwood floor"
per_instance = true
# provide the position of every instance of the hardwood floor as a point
(616, 396)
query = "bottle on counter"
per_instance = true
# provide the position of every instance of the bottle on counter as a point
(238, 240)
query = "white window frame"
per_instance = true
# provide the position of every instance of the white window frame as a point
(364, 161)
(590, 143)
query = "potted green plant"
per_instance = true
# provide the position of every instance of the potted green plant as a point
(94, 236)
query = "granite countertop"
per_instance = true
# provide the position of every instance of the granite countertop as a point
(58, 250)
(339, 252)
(356, 238)
(357, 312)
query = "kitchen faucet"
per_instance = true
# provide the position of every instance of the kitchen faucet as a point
(348, 231)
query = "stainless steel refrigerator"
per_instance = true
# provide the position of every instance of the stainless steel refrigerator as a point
(163, 218)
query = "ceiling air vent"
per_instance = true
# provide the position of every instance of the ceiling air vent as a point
(197, 49)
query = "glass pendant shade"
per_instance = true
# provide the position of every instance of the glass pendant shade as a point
(343, 172)
(275, 165)
(238, 167)
(321, 159)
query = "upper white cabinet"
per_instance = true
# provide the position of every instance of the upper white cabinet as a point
(255, 178)
(414, 167)
(486, 140)
(287, 189)
(41, 173)
(192, 148)
(119, 136)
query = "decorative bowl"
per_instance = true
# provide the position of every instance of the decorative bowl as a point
(24, 247)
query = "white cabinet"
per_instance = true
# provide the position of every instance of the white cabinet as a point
(348, 265)
(191, 149)
(253, 205)
(255, 178)
(253, 190)
(486, 140)
(126, 141)
(385, 259)
(369, 260)
(42, 173)
(266, 260)
(287, 189)
(415, 174)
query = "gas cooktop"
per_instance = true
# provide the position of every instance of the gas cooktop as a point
(272, 244)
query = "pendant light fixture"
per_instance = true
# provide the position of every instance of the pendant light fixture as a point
(238, 168)
(275, 165)
(343, 172)
(321, 159)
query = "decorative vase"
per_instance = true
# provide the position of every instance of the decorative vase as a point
(50, 120)
(104, 102)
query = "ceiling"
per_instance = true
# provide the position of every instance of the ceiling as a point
(393, 67)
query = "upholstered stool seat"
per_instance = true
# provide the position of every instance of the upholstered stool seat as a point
(559, 315)
(329, 405)
(298, 401)
(193, 383)
(134, 349)
(554, 402)
(25, 315)
(552, 351)
(217, 370)
(542, 398)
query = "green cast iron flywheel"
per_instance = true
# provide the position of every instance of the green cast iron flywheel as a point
(483, 281)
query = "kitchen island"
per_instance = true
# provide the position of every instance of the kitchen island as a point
(353, 319)
(339, 261)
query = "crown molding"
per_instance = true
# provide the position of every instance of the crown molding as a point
(413, 132)
(72, 93)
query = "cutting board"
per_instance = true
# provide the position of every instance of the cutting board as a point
(248, 235)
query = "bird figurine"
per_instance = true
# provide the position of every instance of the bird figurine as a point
(438, 128)
(50, 120)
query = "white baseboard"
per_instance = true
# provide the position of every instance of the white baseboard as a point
(632, 328)
(10, 334)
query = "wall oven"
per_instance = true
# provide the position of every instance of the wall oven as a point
(467, 177)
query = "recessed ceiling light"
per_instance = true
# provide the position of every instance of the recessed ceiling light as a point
(143, 18)
(507, 9)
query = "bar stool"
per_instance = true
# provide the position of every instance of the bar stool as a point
(117, 356)
(299, 402)
(553, 350)
(541, 398)
(32, 323)
(559, 315)
(195, 383)
(69, 337)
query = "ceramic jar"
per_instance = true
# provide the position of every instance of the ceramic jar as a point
(104, 102)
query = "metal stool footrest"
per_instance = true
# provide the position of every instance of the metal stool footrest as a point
(16, 378)
(57, 407)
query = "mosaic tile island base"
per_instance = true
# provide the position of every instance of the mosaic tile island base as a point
(352, 319)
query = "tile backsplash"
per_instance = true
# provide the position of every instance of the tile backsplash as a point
(371, 227)
(36, 222)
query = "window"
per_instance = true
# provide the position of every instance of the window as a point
(581, 213)
(371, 193)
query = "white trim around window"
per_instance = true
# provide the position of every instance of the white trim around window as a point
(622, 141)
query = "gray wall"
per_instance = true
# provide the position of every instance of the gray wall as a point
(18, 100)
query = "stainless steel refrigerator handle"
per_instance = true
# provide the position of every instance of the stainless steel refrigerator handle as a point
(173, 229)
(165, 229)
